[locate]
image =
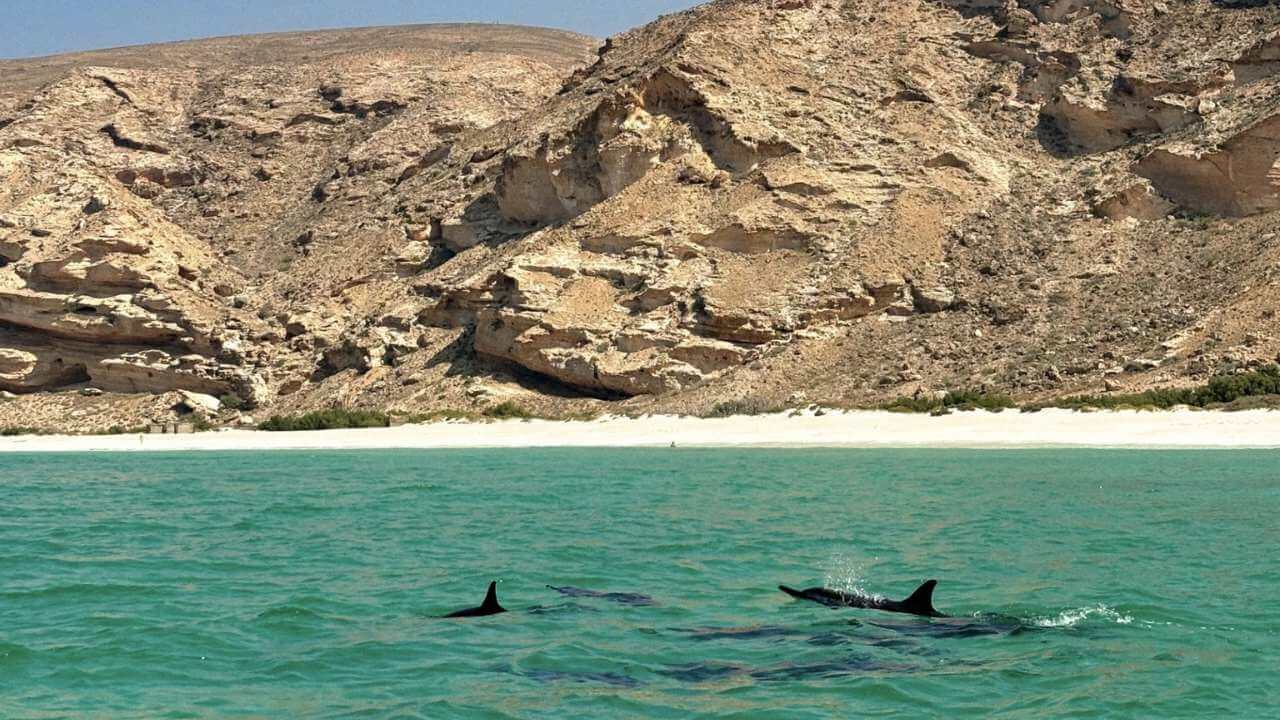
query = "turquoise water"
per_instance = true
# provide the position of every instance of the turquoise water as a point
(1086, 584)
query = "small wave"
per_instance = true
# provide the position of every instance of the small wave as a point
(1076, 616)
(413, 488)
(611, 679)
(562, 608)
(289, 612)
(11, 654)
(77, 590)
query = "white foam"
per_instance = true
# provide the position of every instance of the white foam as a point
(846, 575)
(1075, 616)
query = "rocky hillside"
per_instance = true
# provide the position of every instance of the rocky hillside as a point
(781, 201)
(151, 197)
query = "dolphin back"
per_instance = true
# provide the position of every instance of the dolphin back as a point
(792, 592)
(490, 603)
(490, 606)
(920, 602)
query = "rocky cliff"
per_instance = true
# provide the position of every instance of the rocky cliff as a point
(782, 200)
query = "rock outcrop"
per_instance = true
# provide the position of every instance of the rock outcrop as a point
(755, 198)
(710, 194)
(138, 204)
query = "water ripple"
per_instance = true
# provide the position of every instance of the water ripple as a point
(1081, 583)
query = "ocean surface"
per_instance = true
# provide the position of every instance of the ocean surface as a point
(1116, 584)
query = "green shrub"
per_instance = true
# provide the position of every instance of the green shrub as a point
(122, 430)
(953, 400)
(975, 399)
(1228, 388)
(745, 406)
(435, 416)
(334, 419)
(231, 401)
(1243, 390)
(913, 405)
(16, 431)
(508, 411)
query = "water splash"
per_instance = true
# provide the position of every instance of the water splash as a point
(847, 574)
(1076, 616)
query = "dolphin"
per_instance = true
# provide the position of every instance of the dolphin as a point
(620, 598)
(490, 606)
(600, 678)
(709, 672)
(919, 602)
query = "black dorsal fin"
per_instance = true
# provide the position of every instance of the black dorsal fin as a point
(491, 598)
(921, 601)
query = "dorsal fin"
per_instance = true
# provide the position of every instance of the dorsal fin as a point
(491, 598)
(921, 601)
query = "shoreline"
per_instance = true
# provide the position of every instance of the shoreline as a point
(1167, 429)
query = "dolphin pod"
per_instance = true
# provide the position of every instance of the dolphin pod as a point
(918, 603)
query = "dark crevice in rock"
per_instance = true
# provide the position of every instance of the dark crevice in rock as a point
(67, 376)
(436, 155)
(50, 371)
(164, 178)
(10, 252)
(381, 108)
(207, 128)
(543, 384)
(113, 87)
(128, 143)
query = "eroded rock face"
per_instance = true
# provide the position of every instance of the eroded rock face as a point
(1260, 61)
(1239, 178)
(787, 198)
(1129, 110)
(658, 120)
(674, 216)
(685, 223)
(92, 272)
(145, 209)
(1138, 201)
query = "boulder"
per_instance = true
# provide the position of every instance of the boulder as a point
(1139, 201)
(350, 353)
(199, 402)
(933, 299)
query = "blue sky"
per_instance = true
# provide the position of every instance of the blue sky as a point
(45, 27)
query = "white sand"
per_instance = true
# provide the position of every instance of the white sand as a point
(1051, 428)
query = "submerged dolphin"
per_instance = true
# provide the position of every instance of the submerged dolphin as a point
(490, 606)
(699, 673)
(620, 598)
(920, 602)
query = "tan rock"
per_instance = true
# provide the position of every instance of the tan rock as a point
(199, 402)
(933, 300)
(1139, 201)
(1239, 177)
(748, 199)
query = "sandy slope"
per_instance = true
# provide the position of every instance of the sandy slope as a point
(1175, 429)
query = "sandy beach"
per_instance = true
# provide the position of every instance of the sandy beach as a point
(1050, 428)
